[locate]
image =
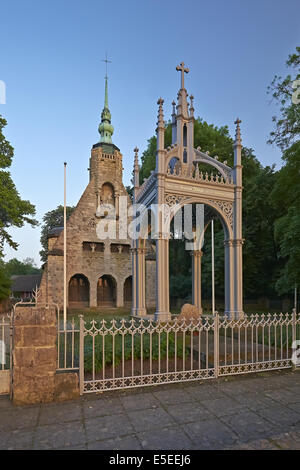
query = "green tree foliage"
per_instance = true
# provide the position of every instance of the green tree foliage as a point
(14, 211)
(148, 159)
(180, 270)
(15, 267)
(287, 126)
(129, 190)
(5, 282)
(51, 219)
(259, 252)
(286, 201)
(285, 196)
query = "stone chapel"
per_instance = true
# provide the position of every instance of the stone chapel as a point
(99, 271)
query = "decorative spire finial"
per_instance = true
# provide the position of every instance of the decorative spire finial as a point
(238, 139)
(173, 104)
(106, 77)
(182, 70)
(136, 168)
(105, 129)
(136, 155)
(136, 159)
(160, 117)
(192, 106)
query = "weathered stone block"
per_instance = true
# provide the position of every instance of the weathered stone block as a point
(45, 355)
(39, 335)
(18, 337)
(27, 373)
(35, 316)
(37, 371)
(33, 390)
(66, 386)
(24, 357)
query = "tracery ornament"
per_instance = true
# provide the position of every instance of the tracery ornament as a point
(226, 208)
(173, 199)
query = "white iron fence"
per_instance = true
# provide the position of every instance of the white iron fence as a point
(67, 344)
(5, 353)
(5, 342)
(124, 353)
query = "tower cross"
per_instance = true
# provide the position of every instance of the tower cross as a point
(106, 62)
(182, 70)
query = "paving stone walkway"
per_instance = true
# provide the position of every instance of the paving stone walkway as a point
(259, 411)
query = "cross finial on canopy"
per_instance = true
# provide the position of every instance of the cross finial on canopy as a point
(182, 70)
(106, 62)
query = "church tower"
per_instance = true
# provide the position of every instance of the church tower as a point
(106, 161)
(99, 267)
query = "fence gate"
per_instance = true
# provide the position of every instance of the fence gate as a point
(5, 352)
(124, 353)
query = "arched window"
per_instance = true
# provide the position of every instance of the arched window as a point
(79, 291)
(172, 164)
(184, 137)
(106, 291)
(107, 194)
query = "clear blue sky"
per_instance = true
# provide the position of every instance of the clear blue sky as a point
(51, 55)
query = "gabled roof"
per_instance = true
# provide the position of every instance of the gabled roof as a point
(54, 232)
(25, 282)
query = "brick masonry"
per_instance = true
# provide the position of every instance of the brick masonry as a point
(105, 168)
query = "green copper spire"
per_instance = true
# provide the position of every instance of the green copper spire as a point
(106, 94)
(105, 128)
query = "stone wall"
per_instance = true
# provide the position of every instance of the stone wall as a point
(81, 227)
(34, 376)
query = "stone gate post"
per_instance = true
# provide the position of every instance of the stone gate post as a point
(34, 375)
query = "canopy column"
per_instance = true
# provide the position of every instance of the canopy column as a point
(229, 278)
(138, 280)
(162, 279)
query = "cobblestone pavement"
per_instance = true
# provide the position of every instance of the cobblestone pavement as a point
(259, 411)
